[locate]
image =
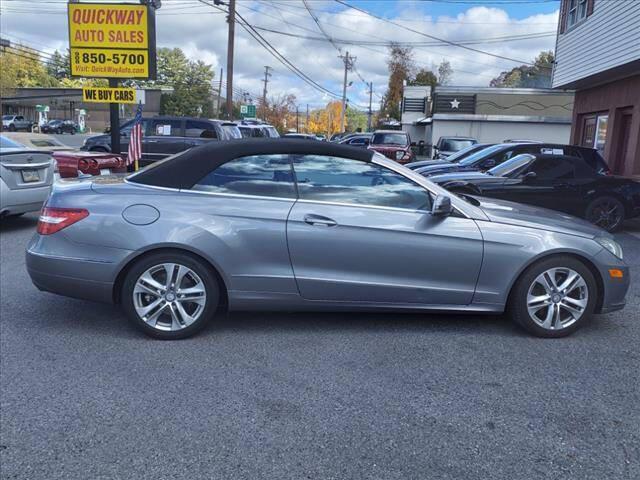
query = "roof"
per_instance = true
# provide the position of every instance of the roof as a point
(186, 169)
(390, 131)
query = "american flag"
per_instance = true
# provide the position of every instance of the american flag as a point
(135, 141)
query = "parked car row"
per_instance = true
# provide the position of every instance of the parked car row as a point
(239, 225)
(14, 123)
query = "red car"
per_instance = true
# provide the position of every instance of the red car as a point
(72, 163)
(393, 144)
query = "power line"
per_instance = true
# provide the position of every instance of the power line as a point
(453, 44)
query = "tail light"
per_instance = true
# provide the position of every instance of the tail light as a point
(83, 165)
(53, 220)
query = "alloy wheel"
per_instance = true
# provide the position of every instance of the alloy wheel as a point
(557, 298)
(169, 297)
(607, 214)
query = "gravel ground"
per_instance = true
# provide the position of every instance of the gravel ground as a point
(322, 396)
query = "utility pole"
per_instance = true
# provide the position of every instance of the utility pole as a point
(264, 92)
(306, 124)
(219, 104)
(232, 29)
(348, 65)
(370, 113)
(297, 118)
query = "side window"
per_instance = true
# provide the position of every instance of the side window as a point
(341, 180)
(163, 128)
(19, 118)
(197, 129)
(553, 168)
(260, 175)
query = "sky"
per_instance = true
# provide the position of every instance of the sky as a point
(201, 31)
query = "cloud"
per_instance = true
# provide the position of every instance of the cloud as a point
(202, 34)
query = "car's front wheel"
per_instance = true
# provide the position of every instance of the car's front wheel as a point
(554, 297)
(606, 212)
(170, 295)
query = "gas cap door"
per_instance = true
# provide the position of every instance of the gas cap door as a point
(140, 214)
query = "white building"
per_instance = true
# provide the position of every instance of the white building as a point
(416, 108)
(494, 115)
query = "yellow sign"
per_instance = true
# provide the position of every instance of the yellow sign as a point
(111, 40)
(108, 95)
(109, 63)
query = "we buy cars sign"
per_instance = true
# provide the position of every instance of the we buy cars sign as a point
(112, 40)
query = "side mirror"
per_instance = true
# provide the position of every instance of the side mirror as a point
(529, 176)
(441, 206)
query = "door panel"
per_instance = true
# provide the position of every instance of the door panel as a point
(356, 253)
(161, 139)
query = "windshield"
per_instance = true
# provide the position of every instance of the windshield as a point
(54, 122)
(512, 165)
(273, 133)
(453, 144)
(7, 117)
(231, 131)
(460, 154)
(6, 143)
(481, 155)
(390, 139)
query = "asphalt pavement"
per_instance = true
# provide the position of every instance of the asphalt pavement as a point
(318, 396)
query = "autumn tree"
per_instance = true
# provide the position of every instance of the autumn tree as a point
(445, 73)
(401, 67)
(537, 75)
(280, 111)
(326, 120)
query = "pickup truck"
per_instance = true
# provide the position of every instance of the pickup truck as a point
(16, 122)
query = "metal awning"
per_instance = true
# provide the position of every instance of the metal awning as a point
(424, 121)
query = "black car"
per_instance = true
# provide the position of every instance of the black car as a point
(453, 158)
(361, 140)
(559, 182)
(165, 136)
(60, 127)
(490, 157)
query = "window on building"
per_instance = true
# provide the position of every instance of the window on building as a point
(601, 133)
(577, 12)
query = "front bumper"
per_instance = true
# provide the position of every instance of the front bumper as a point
(59, 266)
(614, 289)
(22, 200)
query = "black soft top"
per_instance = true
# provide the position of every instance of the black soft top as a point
(187, 168)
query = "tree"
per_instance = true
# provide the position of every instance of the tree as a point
(58, 65)
(327, 120)
(191, 81)
(401, 68)
(22, 71)
(445, 72)
(537, 75)
(279, 111)
(356, 120)
(424, 77)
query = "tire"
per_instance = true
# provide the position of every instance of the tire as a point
(59, 131)
(581, 297)
(190, 316)
(606, 212)
(12, 128)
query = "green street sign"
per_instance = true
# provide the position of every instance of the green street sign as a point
(247, 111)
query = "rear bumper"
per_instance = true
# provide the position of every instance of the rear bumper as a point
(22, 200)
(86, 272)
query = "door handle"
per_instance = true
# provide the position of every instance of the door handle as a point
(319, 220)
(149, 141)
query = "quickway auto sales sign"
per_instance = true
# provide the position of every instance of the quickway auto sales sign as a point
(112, 40)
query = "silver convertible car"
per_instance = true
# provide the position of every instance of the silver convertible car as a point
(290, 225)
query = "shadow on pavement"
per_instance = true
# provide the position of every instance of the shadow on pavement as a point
(24, 222)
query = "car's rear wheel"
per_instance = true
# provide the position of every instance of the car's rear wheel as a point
(554, 297)
(170, 295)
(606, 212)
